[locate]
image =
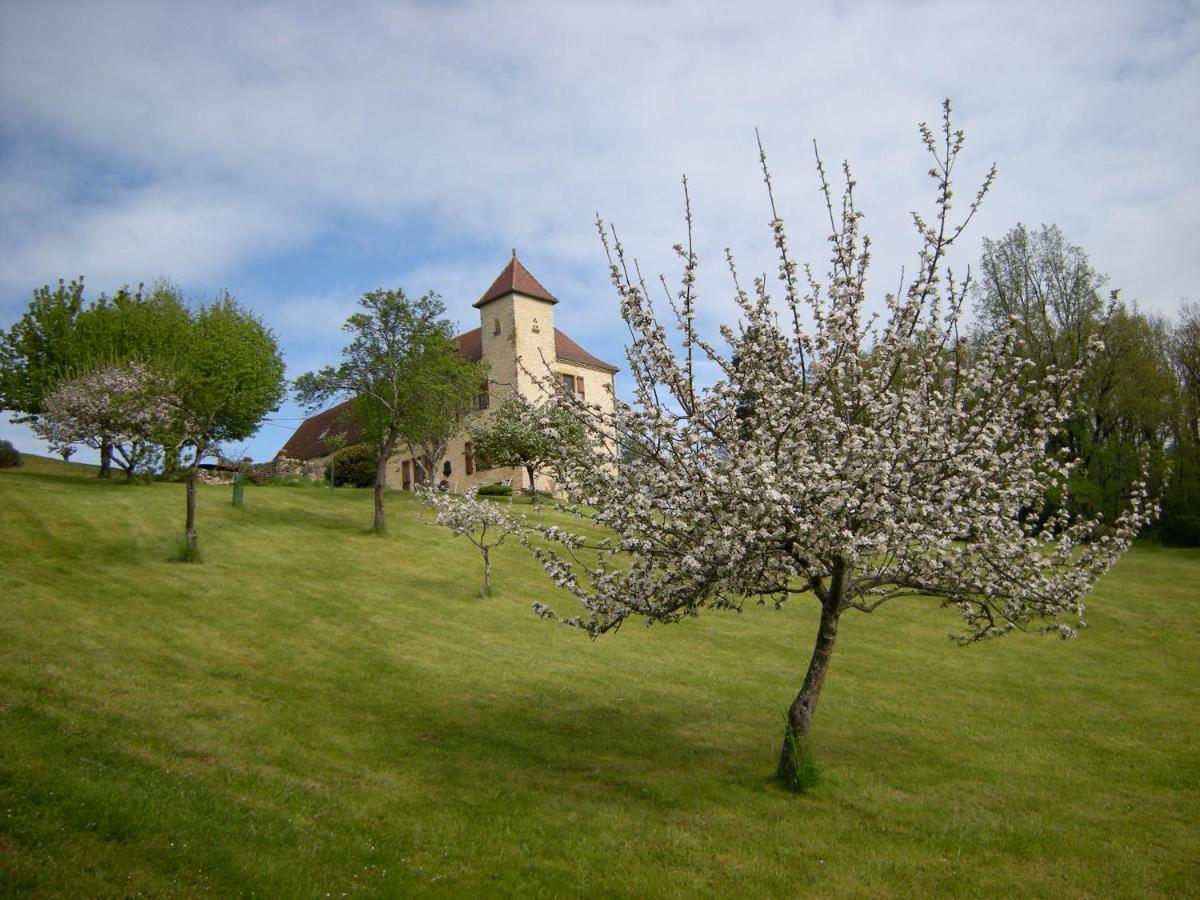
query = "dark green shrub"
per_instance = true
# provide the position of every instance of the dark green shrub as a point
(495, 490)
(9, 455)
(352, 466)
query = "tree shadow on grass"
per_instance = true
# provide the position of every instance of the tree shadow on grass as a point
(549, 742)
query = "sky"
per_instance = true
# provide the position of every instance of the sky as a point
(300, 154)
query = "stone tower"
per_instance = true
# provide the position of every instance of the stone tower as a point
(516, 322)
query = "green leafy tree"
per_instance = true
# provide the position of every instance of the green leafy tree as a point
(35, 351)
(1046, 291)
(441, 391)
(522, 435)
(1180, 522)
(227, 377)
(401, 369)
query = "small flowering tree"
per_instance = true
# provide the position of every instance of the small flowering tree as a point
(484, 524)
(850, 459)
(527, 436)
(121, 407)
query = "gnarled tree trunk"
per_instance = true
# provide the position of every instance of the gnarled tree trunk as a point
(800, 713)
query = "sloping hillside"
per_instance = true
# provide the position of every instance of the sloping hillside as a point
(316, 709)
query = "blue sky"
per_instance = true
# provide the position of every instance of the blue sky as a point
(299, 154)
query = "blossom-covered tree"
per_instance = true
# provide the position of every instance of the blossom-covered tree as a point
(483, 523)
(122, 407)
(524, 435)
(839, 456)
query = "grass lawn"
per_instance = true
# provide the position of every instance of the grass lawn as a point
(317, 710)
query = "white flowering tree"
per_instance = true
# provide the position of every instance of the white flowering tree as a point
(121, 407)
(483, 523)
(844, 458)
(524, 435)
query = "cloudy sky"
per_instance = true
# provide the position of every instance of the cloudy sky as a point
(301, 154)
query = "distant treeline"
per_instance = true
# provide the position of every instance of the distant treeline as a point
(1139, 406)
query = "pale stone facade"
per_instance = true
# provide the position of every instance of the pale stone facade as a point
(518, 340)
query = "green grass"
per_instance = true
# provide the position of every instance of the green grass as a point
(317, 710)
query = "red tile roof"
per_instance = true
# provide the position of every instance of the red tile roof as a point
(569, 351)
(515, 277)
(308, 440)
(470, 344)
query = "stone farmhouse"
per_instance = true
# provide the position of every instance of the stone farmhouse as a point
(517, 338)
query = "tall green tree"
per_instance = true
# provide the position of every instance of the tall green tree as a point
(1048, 293)
(442, 389)
(399, 369)
(228, 375)
(134, 325)
(1180, 523)
(35, 351)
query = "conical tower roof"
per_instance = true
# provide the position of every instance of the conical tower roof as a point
(515, 277)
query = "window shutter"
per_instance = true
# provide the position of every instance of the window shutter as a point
(579, 386)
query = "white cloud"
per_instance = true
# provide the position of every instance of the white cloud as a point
(202, 141)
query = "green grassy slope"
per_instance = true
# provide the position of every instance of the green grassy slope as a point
(318, 710)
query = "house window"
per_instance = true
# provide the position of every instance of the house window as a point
(481, 399)
(567, 383)
(469, 458)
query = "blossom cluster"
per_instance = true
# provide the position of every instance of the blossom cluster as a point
(470, 516)
(860, 458)
(122, 406)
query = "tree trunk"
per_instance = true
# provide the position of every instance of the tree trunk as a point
(487, 572)
(385, 453)
(532, 484)
(105, 458)
(189, 530)
(799, 716)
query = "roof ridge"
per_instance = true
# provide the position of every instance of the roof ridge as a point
(515, 278)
